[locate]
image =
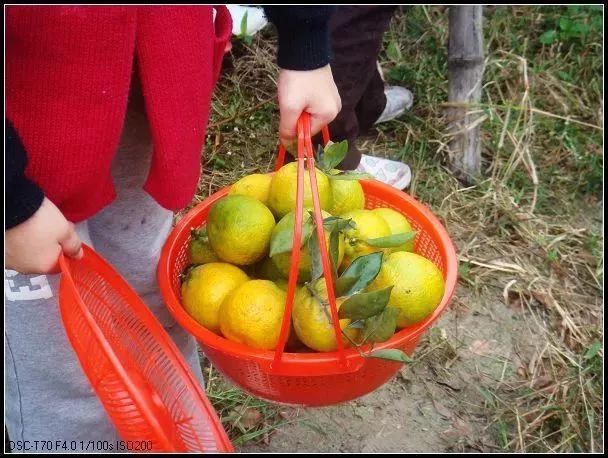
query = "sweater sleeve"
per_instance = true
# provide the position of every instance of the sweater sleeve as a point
(304, 39)
(23, 197)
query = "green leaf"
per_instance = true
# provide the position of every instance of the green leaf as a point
(357, 324)
(315, 258)
(335, 222)
(334, 251)
(549, 37)
(330, 220)
(392, 355)
(218, 162)
(393, 52)
(574, 9)
(319, 155)
(593, 350)
(350, 175)
(333, 154)
(565, 24)
(597, 24)
(391, 240)
(315, 254)
(381, 327)
(244, 24)
(200, 233)
(363, 305)
(487, 395)
(186, 273)
(580, 29)
(401, 74)
(282, 242)
(503, 433)
(359, 274)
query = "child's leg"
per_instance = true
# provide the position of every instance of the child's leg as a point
(47, 396)
(130, 232)
(130, 237)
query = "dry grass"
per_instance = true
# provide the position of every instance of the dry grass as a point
(530, 232)
(244, 418)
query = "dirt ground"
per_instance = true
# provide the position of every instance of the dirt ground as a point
(438, 404)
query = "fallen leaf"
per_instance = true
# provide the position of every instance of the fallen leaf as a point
(442, 410)
(251, 418)
(455, 385)
(558, 269)
(514, 302)
(464, 428)
(480, 347)
(542, 298)
(541, 382)
(522, 372)
(459, 430)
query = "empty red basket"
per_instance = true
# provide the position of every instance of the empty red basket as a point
(309, 379)
(136, 370)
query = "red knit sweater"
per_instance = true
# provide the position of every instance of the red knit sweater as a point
(68, 71)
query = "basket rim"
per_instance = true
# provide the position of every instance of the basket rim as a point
(220, 343)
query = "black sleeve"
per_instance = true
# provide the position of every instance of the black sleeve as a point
(23, 197)
(304, 39)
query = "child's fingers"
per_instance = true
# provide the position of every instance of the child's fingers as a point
(71, 244)
(287, 123)
(318, 121)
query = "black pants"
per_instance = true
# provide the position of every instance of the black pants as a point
(356, 34)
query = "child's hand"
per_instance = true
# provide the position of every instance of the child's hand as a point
(33, 247)
(313, 91)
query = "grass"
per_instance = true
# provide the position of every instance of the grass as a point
(245, 418)
(534, 217)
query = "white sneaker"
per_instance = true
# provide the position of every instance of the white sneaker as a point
(256, 20)
(393, 173)
(398, 99)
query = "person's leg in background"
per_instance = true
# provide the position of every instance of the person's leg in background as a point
(372, 102)
(379, 104)
(356, 34)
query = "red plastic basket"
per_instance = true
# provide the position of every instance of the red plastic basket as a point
(139, 375)
(309, 379)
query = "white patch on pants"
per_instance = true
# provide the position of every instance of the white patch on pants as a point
(38, 288)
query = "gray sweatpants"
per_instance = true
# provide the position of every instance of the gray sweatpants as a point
(47, 397)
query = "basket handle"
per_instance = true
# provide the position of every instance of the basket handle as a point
(305, 156)
(281, 156)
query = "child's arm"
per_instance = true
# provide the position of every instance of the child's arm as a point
(305, 80)
(35, 231)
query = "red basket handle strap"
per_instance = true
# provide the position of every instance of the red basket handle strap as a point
(305, 153)
(327, 271)
(281, 156)
(325, 131)
(295, 251)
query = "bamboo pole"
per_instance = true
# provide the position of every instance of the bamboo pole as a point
(465, 72)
